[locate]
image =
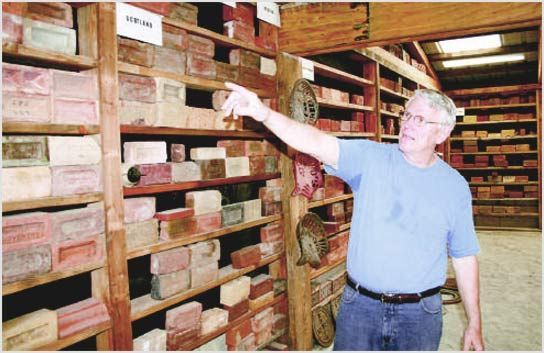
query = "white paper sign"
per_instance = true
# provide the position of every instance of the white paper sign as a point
(136, 23)
(269, 12)
(230, 3)
(460, 112)
(307, 69)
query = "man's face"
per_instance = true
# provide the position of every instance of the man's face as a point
(416, 139)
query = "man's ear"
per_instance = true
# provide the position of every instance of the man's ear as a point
(443, 133)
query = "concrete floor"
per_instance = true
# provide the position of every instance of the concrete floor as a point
(511, 295)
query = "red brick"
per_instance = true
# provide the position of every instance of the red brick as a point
(73, 180)
(200, 65)
(169, 261)
(239, 30)
(16, 8)
(227, 72)
(176, 213)
(139, 209)
(23, 263)
(270, 194)
(184, 317)
(208, 222)
(268, 36)
(212, 320)
(357, 99)
(57, 13)
(333, 186)
(279, 323)
(236, 334)
(12, 28)
(260, 285)
(25, 230)
(245, 58)
(356, 126)
(204, 274)
(134, 52)
(271, 208)
(169, 60)
(178, 228)
(338, 241)
(247, 344)
(161, 8)
(180, 340)
(257, 165)
(201, 45)
(152, 174)
(80, 316)
(77, 223)
(73, 253)
(237, 309)
(174, 38)
(25, 79)
(75, 111)
(233, 148)
(185, 12)
(137, 88)
(272, 232)
(250, 77)
(212, 168)
(242, 12)
(247, 256)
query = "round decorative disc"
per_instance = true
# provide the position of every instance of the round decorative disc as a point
(322, 326)
(303, 105)
(312, 240)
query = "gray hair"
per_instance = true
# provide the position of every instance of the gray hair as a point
(439, 101)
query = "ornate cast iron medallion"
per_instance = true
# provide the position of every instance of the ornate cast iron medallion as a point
(312, 240)
(303, 105)
(322, 326)
(308, 175)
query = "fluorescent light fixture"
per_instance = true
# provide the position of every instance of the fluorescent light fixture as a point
(471, 43)
(483, 60)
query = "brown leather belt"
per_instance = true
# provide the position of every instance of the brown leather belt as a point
(400, 298)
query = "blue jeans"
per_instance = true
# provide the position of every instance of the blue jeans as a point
(366, 324)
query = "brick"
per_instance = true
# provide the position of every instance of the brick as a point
(154, 340)
(169, 90)
(208, 222)
(201, 118)
(263, 336)
(200, 65)
(247, 344)
(242, 12)
(212, 320)
(232, 214)
(167, 285)
(185, 12)
(245, 58)
(75, 111)
(25, 230)
(271, 208)
(24, 151)
(16, 8)
(73, 253)
(235, 291)
(268, 66)
(249, 77)
(263, 300)
(56, 13)
(262, 320)
(268, 36)
(27, 262)
(201, 45)
(134, 52)
(252, 210)
(30, 331)
(184, 317)
(270, 149)
(338, 241)
(236, 334)
(357, 99)
(207, 201)
(177, 152)
(274, 182)
(177, 228)
(233, 148)
(278, 270)
(139, 209)
(141, 234)
(73, 180)
(204, 252)
(272, 232)
(137, 113)
(161, 8)
(79, 85)
(256, 165)
(530, 163)
(174, 38)
(176, 213)
(345, 125)
(323, 124)
(333, 186)
(218, 98)
(46, 36)
(237, 309)
(73, 150)
(169, 60)
(144, 152)
(239, 30)
(171, 114)
(77, 223)
(169, 261)
(217, 344)
(153, 174)
(25, 79)
(227, 72)
(271, 248)
(204, 274)
(180, 340)
(245, 257)
(236, 167)
(207, 153)
(270, 164)
(335, 126)
(25, 183)
(12, 28)
(260, 285)
(185, 171)
(25, 107)
(80, 316)
(137, 88)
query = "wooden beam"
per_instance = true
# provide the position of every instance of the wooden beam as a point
(529, 47)
(116, 249)
(540, 54)
(324, 28)
(485, 70)
(415, 49)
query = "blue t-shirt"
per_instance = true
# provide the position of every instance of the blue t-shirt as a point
(406, 219)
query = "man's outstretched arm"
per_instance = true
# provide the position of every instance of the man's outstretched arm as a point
(302, 137)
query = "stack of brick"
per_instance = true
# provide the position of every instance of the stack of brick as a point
(261, 292)
(496, 191)
(204, 262)
(261, 326)
(481, 161)
(238, 22)
(183, 326)
(211, 161)
(170, 271)
(154, 340)
(271, 239)
(150, 158)
(500, 160)
(234, 296)
(80, 316)
(530, 191)
(262, 155)
(470, 146)
(141, 228)
(484, 192)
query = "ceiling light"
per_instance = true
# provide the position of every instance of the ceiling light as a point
(471, 43)
(483, 60)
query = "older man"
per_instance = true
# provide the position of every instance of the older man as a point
(410, 211)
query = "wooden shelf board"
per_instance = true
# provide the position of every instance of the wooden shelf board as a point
(393, 93)
(152, 130)
(328, 104)
(500, 106)
(484, 183)
(22, 52)
(329, 298)
(491, 153)
(52, 201)
(509, 214)
(145, 305)
(331, 72)
(352, 134)
(50, 129)
(385, 112)
(341, 229)
(499, 168)
(493, 138)
(154, 189)
(191, 81)
(170, 244)
(493, 90)
(37, 280)
(483, 228)
(323, 202)
(217, 38)
(496, 122)
(272, 339)
(77, 337)
(508, 199)
(390, 137)
(248, 315)
(325, 269)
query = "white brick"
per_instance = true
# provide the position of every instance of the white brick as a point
(203, 202)
(199, 153)
(236, 166)
(73, 150)
(144, 152)
(25, 183)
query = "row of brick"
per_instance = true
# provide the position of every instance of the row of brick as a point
(498, 161)
(398, 51)
(472, 147)
(500, 191)
(504, 133)
(324, 286)
(498, 117)
(340, 211)
(496, 178)
(360, 122)
(494, 209)
(392, 107)
(41, 327)
(390, 127)
(498, 99)
(337, 96)
(395, 86)
(338, 248)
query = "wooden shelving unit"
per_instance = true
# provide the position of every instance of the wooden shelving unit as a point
(147, 130)
(20, 52)
(75, 338)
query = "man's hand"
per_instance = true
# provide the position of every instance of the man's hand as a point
(244, 102)
(472, 339)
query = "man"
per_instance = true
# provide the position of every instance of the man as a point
(410, 211)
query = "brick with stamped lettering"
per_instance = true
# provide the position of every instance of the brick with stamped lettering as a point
(73, 180)
(166, 285)
(26, 262)
(46, 36)
(25, 107)
(80, 316)
(134, 52)
(169, 261)
(24, 183)
(169, 90)
(75, 111)
(24, 151)
(207, 201)
(77, 223)
(204, 274)
(139, 209)
(30, 331)
(25, 230)
(169, 60)
(141, 233)
(147, 152)
(73, 253)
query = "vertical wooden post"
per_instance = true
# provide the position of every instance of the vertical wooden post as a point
(372, 95)
(113, 192)
(87, 30)
(294, 207)
(539, 149)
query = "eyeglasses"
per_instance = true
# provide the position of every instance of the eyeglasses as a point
(418, 119)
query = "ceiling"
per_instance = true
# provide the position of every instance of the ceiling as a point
(500, 74)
